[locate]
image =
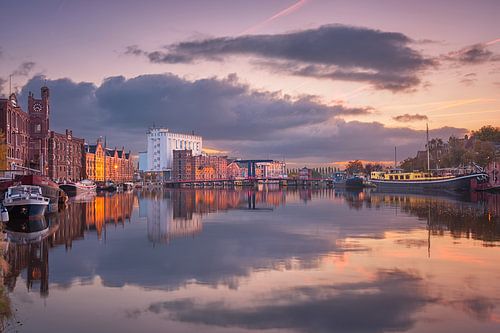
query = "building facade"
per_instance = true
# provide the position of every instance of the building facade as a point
(186, 166)
(14, 125)
(65, 155)
(102, 164)
(161, 144)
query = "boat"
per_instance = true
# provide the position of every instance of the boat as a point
(421, 182)
(25, 201)
(49, 188)
(83, 186)
(342, 180)
(128, 186)
(107, 186)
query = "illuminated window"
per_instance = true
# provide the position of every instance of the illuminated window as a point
(38, 128)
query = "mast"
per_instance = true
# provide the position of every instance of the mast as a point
(395, 159)
(428, 158)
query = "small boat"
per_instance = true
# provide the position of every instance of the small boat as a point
(128, 186)
(25, 201)
(83, 186)
(49, 188)
(341, 180)
(107, 186)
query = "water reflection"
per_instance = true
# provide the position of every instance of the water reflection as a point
(309, 260)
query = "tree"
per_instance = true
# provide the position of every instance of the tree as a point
(487, 133)
(354, 167)
(369, 167)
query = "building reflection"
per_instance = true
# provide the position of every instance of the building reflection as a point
(73, 223)
(178, 213)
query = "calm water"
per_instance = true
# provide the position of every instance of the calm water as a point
(275, 261)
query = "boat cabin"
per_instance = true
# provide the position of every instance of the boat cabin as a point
(398, 174)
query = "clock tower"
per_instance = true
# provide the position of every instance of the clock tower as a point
(38, 111)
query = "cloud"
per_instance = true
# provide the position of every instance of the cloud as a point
(24, 69)
(472, 55)
(406, 118)
(229, 115)
(337, 52)
(469, 79)
(393, 298)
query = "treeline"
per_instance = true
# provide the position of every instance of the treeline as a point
(479, 148)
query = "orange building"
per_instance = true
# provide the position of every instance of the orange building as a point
(103, 164)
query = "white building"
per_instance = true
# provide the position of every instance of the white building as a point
(162, 143)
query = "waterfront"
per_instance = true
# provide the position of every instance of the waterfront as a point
(299, 260)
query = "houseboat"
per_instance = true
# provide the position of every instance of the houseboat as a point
(400, 181)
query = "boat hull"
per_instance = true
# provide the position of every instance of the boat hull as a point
(72, 190)
(456, 184)
(23, 211)
(349, 183)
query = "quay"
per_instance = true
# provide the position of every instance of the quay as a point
(250, 182)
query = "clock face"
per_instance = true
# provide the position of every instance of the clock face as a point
(37, 107)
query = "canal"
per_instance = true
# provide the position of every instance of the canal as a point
(296, 260)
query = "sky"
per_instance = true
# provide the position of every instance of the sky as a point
(311, 82)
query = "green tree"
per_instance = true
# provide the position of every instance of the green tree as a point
(354, 167)
(487, 133)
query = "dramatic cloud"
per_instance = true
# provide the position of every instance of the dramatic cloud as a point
(472, 55)
(392, 300)
(2, 83)
(406, 118)
(337, 52)
(229, 115)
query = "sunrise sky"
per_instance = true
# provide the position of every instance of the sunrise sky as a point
(308, 81)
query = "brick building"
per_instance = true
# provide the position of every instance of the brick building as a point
(185, 166)
(14, 124)
(102, 164)
(65, 157)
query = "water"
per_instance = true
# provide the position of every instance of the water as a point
(275, 261)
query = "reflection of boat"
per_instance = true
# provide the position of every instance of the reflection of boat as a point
(28, 230)
(25, 201)
(73, 189)
(397, 180)
(84, 197)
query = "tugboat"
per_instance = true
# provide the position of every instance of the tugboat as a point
(25, 201)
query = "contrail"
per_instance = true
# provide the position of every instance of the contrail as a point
(284, 12)
(491, 42)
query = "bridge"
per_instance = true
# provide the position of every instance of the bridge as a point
(251, 165)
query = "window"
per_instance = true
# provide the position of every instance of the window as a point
(390, 177)
(38, 128)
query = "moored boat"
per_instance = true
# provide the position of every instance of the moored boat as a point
(411, 182)
(49, 188)
(83, 186)
(341, 180)
(24, 202)
(107, 186)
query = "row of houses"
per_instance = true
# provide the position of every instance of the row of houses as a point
(189, 167)
(28, 145)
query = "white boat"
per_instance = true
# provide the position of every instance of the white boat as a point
(25, 201)
(83, 186)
